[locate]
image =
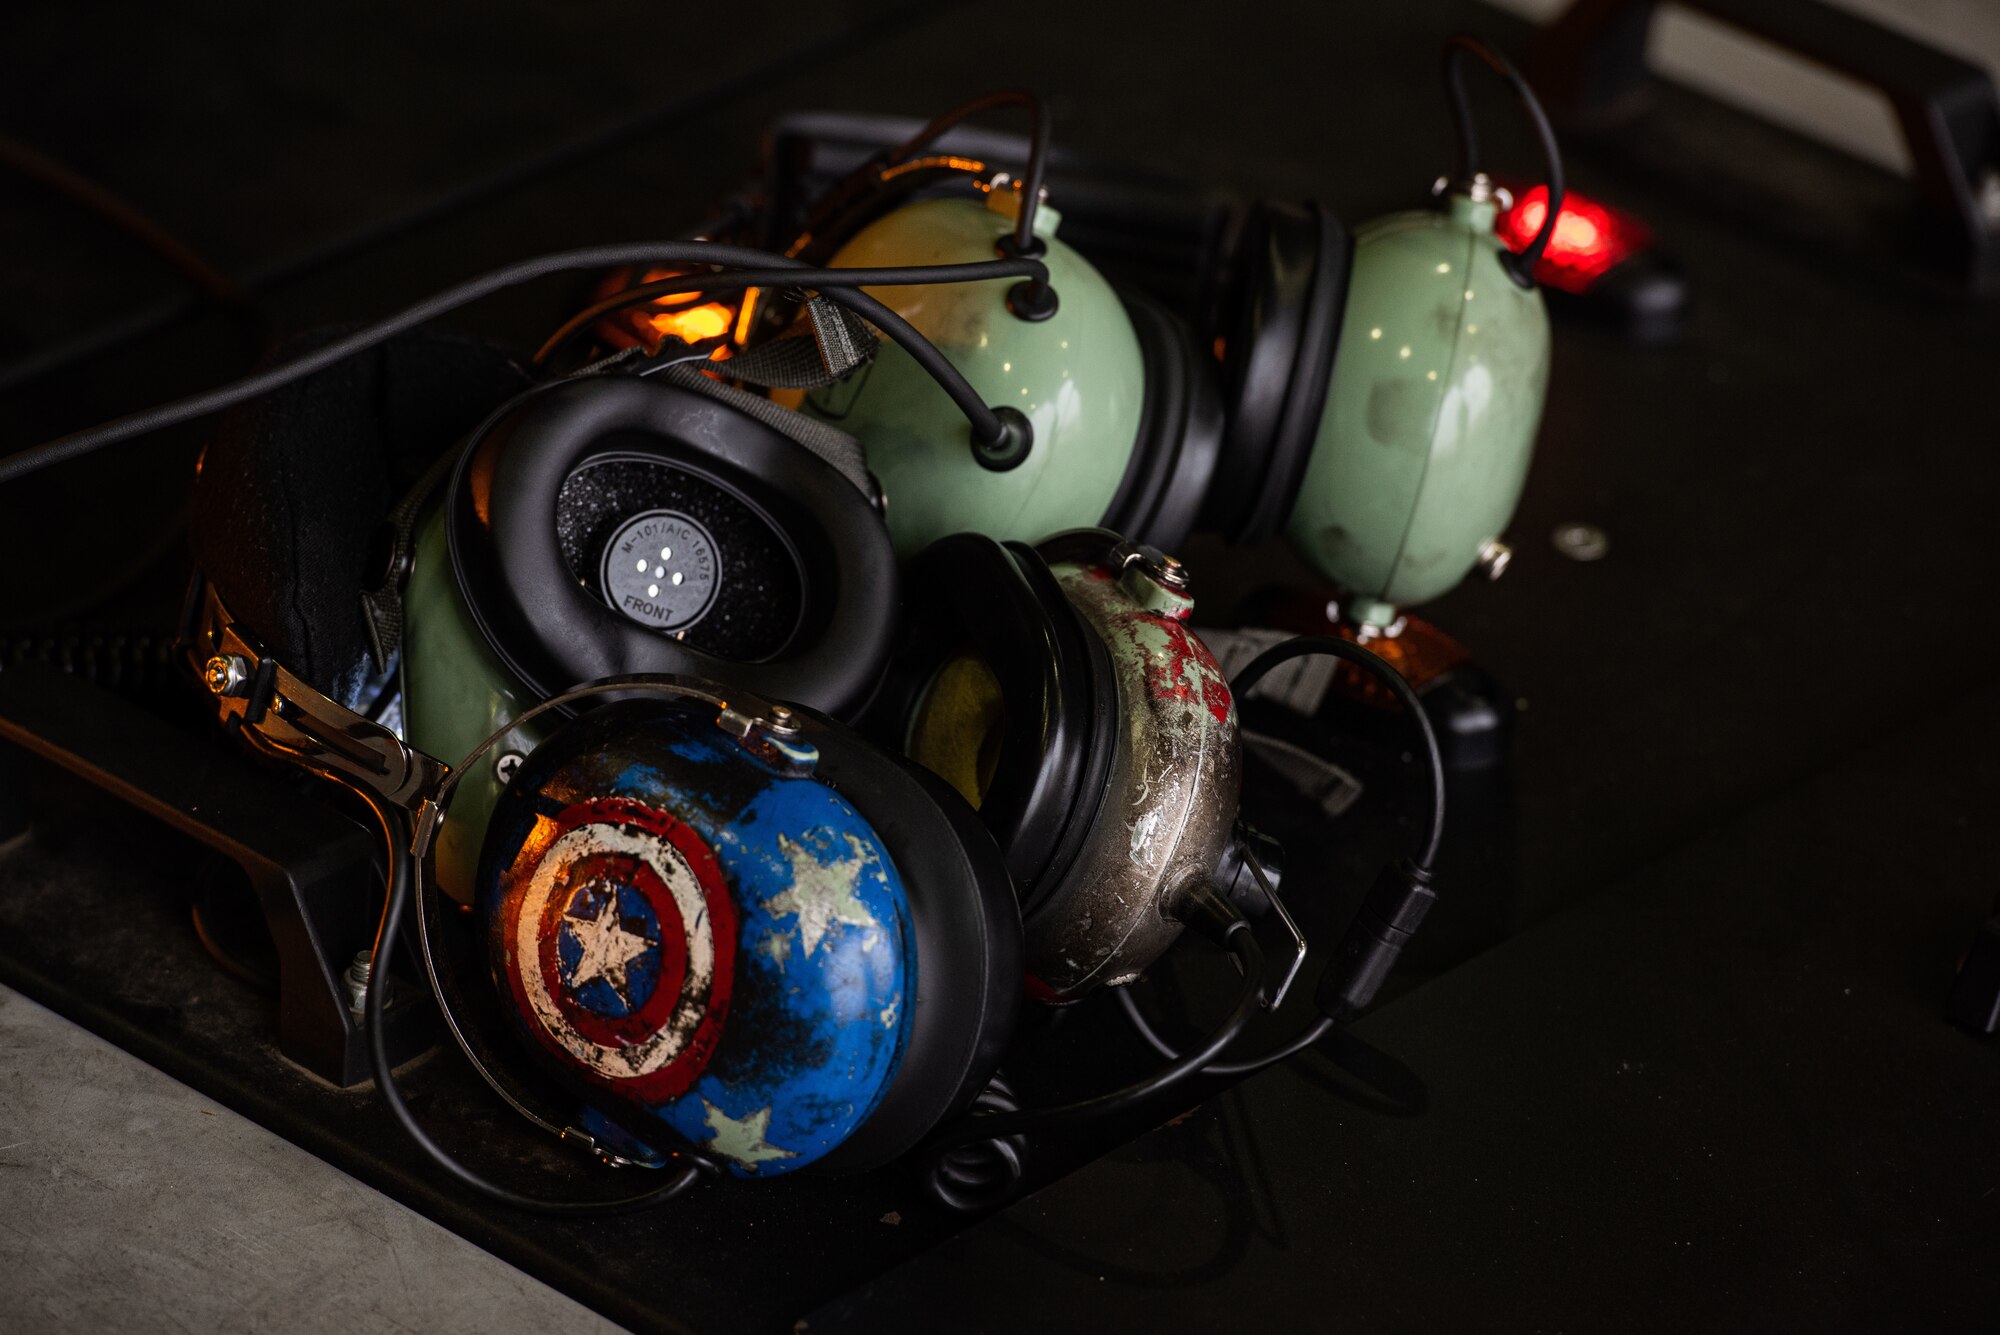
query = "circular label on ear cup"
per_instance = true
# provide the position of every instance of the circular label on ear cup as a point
(660, 570)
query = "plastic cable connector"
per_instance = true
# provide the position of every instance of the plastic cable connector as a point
(1368, 950)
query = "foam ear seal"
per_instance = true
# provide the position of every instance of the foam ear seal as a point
(544, 621)
(968, 930)
(1180, 431)
(1289, 290)
(1000, 603)
(294, 486)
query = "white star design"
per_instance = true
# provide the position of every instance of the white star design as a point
(742, 1139)
(822, 893)
(608, 949)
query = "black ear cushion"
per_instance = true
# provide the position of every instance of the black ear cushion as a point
(1000, 602)
(968, 931)
(1312, 370)
(1282, 315)
(554, 632)
(295, 485)
(1180, 431)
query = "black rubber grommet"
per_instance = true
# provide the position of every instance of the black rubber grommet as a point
(1032, 301)
(1011, 448)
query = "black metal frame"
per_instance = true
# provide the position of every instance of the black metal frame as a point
(314, 872)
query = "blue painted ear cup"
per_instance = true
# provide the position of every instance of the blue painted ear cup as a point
(848, 974)
(1279, 319)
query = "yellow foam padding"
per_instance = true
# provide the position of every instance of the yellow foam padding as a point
(958, 726)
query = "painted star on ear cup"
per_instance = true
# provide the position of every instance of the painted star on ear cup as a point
(715, 938)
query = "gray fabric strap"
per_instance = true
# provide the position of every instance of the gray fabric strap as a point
(828, 442)
(836, 342)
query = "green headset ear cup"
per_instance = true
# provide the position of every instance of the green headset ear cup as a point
(1429, 421)
(1281, 325)
(1078, 376)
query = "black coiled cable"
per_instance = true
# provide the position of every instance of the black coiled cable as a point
(133, 662)
(979, 1172)
(682, 1170)
(989, 1178)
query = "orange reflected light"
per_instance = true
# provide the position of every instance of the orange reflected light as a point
(688, 316)
(1421, 653)
(693, 324)
(1589, 240)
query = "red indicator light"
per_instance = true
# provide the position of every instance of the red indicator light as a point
(1590, 238)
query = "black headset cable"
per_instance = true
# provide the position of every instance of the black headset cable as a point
(1456, 48)
(942, 1159)
(1026, 243)
(1396, 903)
(730, 280)
(395, 833)
(989, 426)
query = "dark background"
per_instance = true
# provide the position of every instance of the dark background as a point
(1705, 1082)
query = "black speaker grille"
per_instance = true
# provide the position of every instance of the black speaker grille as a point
(759, 588)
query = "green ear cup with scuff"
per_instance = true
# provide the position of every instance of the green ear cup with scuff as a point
(1077, 375)
(1431, 412)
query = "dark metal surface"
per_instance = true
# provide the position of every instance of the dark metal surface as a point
(1591, 65)
(1719, 1093)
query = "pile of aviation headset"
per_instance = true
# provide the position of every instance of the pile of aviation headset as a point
(820, 693)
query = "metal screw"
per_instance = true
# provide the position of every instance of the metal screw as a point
(505, 765)
(224, 674)
(1494, 557)
(356, 978)
(777, 720)
(1155, 564)
(1168, 571)
(1581, 542)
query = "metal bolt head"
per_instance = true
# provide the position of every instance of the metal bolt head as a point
(506, 764)
(225, 674)
(1494, 557)
(756, 716)
(1581, 542)
(1151, 562)
(356, 977)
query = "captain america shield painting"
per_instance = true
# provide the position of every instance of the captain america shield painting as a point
(706, 934)
(626, 942)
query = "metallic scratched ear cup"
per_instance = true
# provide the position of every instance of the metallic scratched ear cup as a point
(1076, 373)
(613, 525)
(1059, 689)
(1430, 413)
(749, 932)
